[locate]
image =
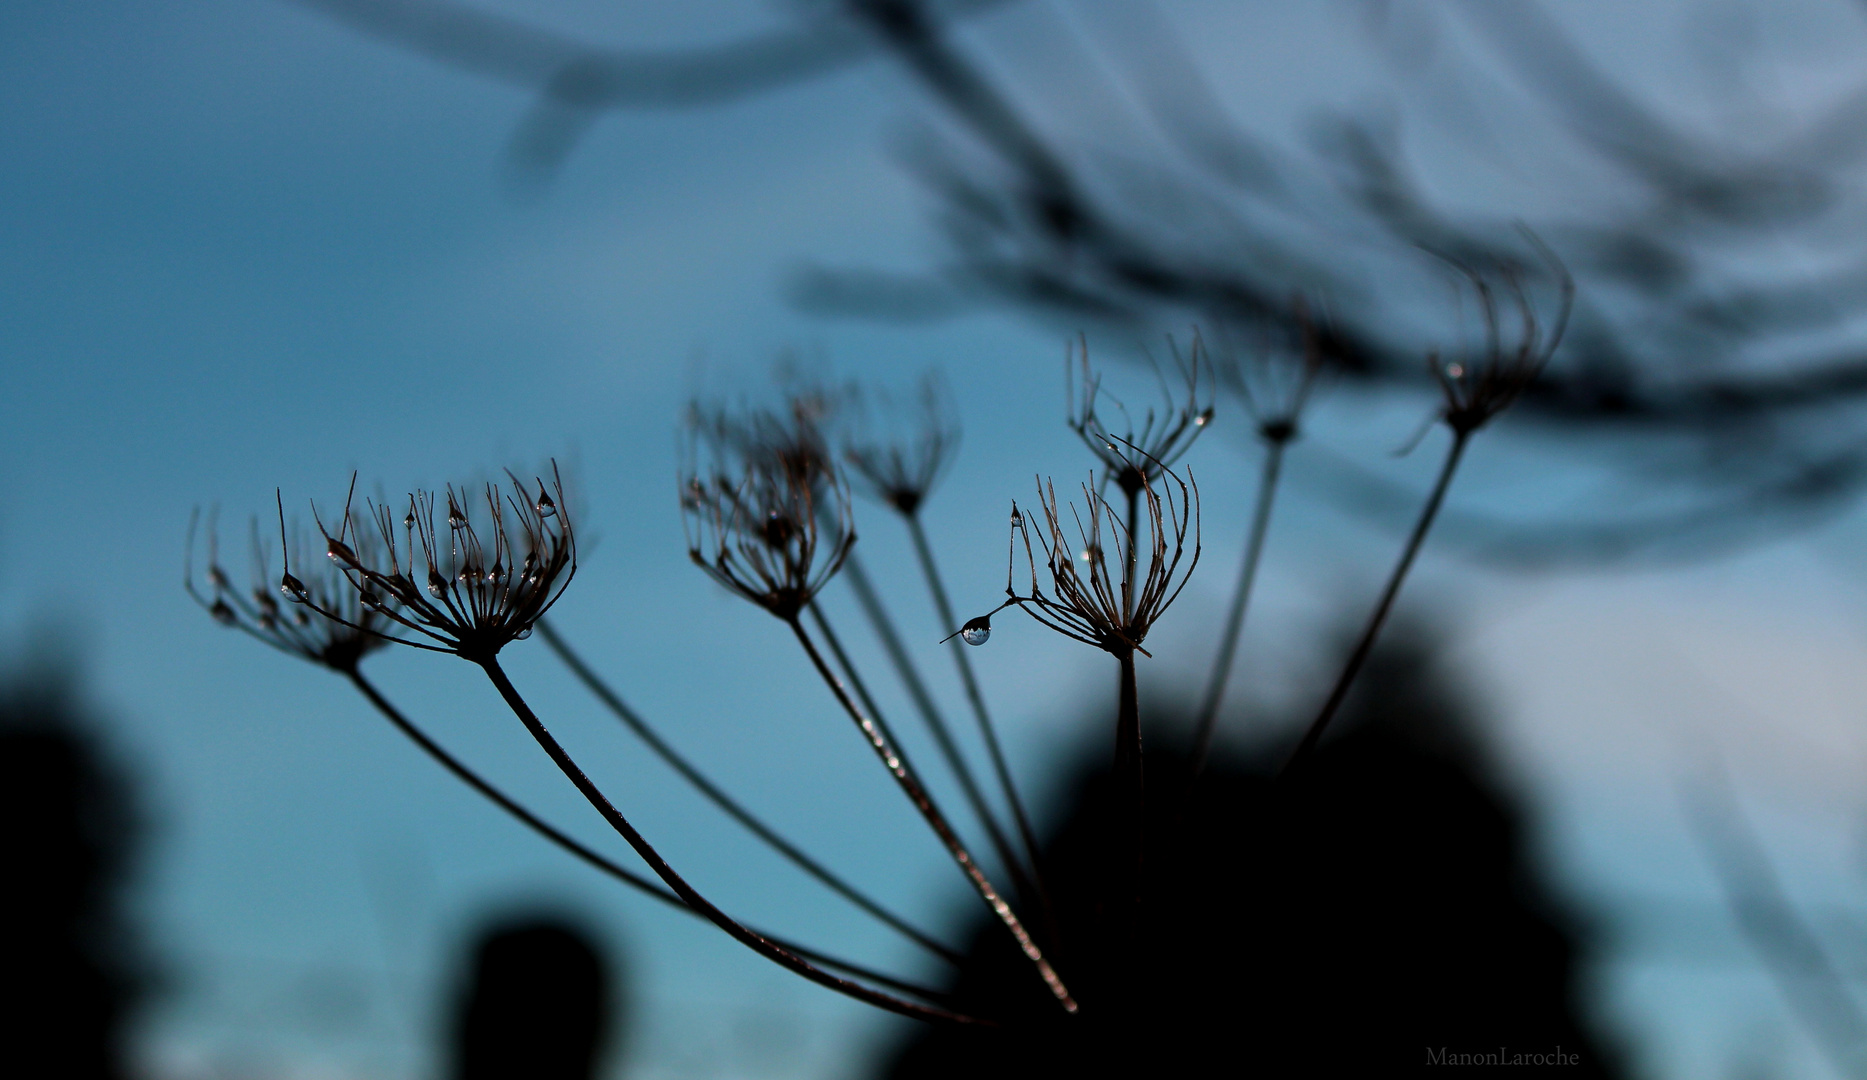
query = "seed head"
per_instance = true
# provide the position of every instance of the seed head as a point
(1477, 389)
(767, 517)
(297, 626)
(1134, 457)
(1090, 597)
(1274, 381)
(901, 465)
(469, 571)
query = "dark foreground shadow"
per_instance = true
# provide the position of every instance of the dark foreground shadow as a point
(1377, 913)
(68, 833)
(539, 1005)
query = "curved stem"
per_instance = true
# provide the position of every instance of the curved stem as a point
(884, 628)
(1208, 717)
(545, 829)
(924, 803)
(731, 806)
(758, 943)
(944, 609)
(1366, 645)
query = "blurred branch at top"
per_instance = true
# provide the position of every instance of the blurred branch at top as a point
(1714, 376)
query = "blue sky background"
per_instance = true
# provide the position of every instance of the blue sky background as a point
(251, 248)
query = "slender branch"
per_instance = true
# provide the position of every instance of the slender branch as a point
(758, 943)
(545, 829)
(973, 694)
(1208, 717)
(937, 821)
(634, 722)
(884, 628)
(1132, 558)
(1366, 645)
(1127, 847)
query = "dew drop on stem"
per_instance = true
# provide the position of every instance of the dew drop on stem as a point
(976, 631)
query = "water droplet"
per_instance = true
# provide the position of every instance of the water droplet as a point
(455, 518)
(1203, 418)
(217, 577)
(493, 575)
(522, 634)
(302, 617)
(267, 605)
(408, 520)
(437, 585)
(340, 552)
(546, 508)
(977, 631)
(1017, 519)
(293, 588)
(369, 598)
(222, 613)
(268, 621)
(1455, 370)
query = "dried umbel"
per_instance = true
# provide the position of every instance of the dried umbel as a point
(1477, 390)
(772, 527)
(1275, 380)
(1091, 597)
(338, 642)
(1135, 456)
(470, 573)
(902, 467)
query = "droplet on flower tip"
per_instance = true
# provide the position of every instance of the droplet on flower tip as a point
(976, 631)
(222, 613)
(369, 598)
(495, 573)
(1203, 418)
(546, 508)
(217, 577)
(1455, 370)
(436, 583)
(522, 634)
(293, 588)
(340, 552)
(1017, 519)
(408, 520)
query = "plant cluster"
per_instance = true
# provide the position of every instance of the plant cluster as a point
(766, 500)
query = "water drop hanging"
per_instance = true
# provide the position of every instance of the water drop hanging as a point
(976, 631)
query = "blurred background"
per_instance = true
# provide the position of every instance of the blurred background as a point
(260, 246)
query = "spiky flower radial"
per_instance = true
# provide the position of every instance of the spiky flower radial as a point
(1135, 456)
(772, 527)
(470, 574)
(337, 642)
(1090, 598)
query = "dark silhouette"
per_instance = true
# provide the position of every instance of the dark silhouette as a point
(540, 1005)
(72, 965)
(1374, 908)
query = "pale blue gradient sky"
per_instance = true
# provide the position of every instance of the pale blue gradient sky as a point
(252, 249)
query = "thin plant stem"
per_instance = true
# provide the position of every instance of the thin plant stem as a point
(884, 627)
(977, 698)
(543, 828)
(924, 803)
(758, 943)
(733, 808)
(1128, 847)
(1366, 645)
(1131, 557)
(1208, 716)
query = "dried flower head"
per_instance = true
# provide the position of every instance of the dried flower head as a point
(902, 465)
(1134, 457)
(477, 581)
(794, 439)
(1477, 390)
(769, 519)
(1274, 381)
(337, 643)
(1091, 597)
